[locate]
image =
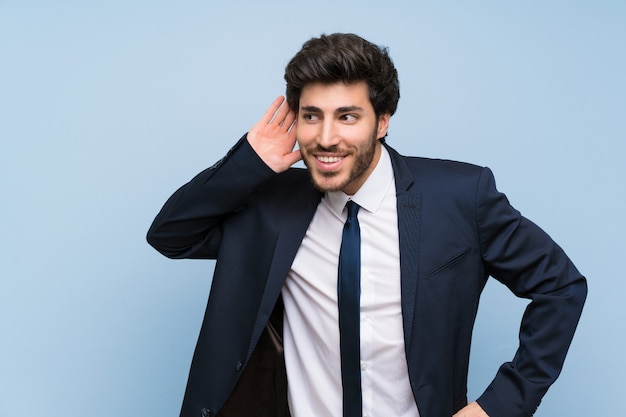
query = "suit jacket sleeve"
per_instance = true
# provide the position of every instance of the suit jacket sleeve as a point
(189, 224)
(524, 258)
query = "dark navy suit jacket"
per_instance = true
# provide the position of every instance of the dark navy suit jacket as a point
(455, 231)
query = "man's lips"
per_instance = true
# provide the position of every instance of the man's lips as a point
(328, 159)
(328, 163)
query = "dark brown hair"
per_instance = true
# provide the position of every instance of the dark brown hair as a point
(348, 58)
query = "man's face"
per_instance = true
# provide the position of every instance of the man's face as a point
(337, 132)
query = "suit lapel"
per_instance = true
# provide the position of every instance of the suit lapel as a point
(295, 222)
(409, 228)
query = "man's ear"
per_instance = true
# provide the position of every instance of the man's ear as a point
(383, 125)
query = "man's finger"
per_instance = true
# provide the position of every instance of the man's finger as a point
(282, 113)
(293, 157)
(271, 110)
(289, 119)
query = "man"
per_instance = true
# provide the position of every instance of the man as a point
(428, 234)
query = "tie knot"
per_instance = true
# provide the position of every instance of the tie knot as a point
(353, 209)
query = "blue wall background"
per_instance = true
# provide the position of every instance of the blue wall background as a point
(107, 107)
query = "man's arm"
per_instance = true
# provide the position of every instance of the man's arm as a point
(188, 225)
(523, 257)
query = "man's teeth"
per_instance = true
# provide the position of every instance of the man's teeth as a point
(329, 159)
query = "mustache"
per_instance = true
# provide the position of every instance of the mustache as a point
(322, 149)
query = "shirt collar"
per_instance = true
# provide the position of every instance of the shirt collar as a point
(371, 193)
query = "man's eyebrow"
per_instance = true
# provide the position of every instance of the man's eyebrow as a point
(311, 109)
(339, 110)
(348, 109)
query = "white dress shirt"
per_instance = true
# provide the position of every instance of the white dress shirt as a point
(311, 330)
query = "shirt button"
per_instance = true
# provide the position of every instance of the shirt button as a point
(364, 366)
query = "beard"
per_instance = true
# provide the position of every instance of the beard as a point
(363, 158)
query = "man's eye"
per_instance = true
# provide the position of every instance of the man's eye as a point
(349, 117)
(310, 117)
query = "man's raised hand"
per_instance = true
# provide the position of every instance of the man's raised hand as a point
(273, 137)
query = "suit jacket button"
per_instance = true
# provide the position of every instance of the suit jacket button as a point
(238, 366)
(205, 412)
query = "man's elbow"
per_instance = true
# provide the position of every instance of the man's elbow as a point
(158, 241)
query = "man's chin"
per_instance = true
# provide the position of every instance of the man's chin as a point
(326, 182)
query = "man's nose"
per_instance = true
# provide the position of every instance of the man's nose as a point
(328, 136)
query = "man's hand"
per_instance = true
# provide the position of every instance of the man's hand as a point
(274, 137)
(471, 410)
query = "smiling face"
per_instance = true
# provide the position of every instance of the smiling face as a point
(337, 132)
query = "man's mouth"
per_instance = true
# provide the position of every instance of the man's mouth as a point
(328, 159)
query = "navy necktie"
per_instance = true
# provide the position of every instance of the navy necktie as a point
(349, 292)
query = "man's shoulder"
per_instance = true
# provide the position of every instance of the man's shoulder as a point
(434, 167)
(440, 163)
(292, 183)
